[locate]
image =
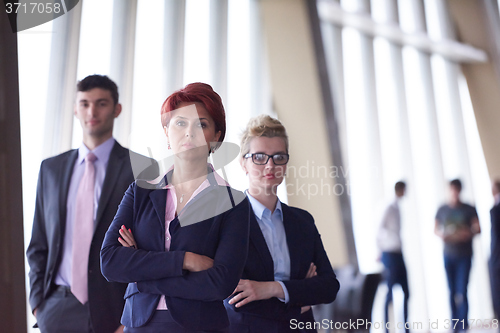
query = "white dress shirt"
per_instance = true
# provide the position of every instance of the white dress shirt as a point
(389, 233)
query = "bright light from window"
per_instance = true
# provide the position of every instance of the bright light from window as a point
(196, 60)
(34, 58)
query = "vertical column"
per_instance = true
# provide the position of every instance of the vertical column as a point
(449, 109)
(363, 137)
(332, 41)
(478, 24)
(218, 47)
(12, 276)
(122, 63)
(429, 182)
(261, 100)
(62, 82)
(397, 154)
(332, 114)
(298, 102)
(456, 158)
(173, 48)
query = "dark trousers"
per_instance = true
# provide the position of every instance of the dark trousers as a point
(495, 286)
(395, 273)
(162, 322)
(61, 312)
(457, 272)
(247, 323)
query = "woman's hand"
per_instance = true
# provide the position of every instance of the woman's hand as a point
(196, 262)
(254, 290)
(310, 273)
(127, 239)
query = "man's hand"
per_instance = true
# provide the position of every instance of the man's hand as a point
(254, 290)
(196, 262)
(34, 312)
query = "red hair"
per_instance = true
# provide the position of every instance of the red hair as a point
(200, 93)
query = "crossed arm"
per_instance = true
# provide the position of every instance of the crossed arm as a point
(192, 262)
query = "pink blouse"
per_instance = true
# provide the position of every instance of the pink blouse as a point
(170, 210)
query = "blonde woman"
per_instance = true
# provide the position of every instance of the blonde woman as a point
(287, 269)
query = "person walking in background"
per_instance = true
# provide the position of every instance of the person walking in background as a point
(287, 269)
(390, 244)
(78, 194)
(456, 224)
(495, 249)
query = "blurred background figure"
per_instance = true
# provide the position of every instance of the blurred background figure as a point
(456, 224)
(495, 249)
(389, 243)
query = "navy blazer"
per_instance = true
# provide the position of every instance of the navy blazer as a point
(305, 246)
(495, 236)
(194, 299)
(45, 249)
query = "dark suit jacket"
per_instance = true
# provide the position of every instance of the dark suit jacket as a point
(194, 299)
(494, 263)
(45, 249)
(495, 235)
(304, 246)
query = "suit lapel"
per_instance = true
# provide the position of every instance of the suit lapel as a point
(292, 240)
(159, 200)
(116, 162)
(259, 242)
(66, 173)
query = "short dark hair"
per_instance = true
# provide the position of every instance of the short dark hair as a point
(456, 183)
(400, 186)
(99, 81)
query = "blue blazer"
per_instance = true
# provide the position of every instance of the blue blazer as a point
(304, 246)
(194, 299)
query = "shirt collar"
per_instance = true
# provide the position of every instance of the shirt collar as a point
(102, 151)
(219, 180)
(259, 209)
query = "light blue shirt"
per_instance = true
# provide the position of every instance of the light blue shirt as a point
(102, 153)
(271, 225)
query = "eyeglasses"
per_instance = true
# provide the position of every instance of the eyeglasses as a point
(262, 159)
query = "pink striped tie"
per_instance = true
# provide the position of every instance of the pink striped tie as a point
(83, 231)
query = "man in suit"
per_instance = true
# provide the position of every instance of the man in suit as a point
(78, 194)
(495, 249)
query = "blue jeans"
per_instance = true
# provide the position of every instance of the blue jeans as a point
(457, 272)
(395, 273)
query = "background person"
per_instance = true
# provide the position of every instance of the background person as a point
(287, 268)
(390, 244)
(456, 224)
(78, 194)
(495, 249)
(182, 245)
